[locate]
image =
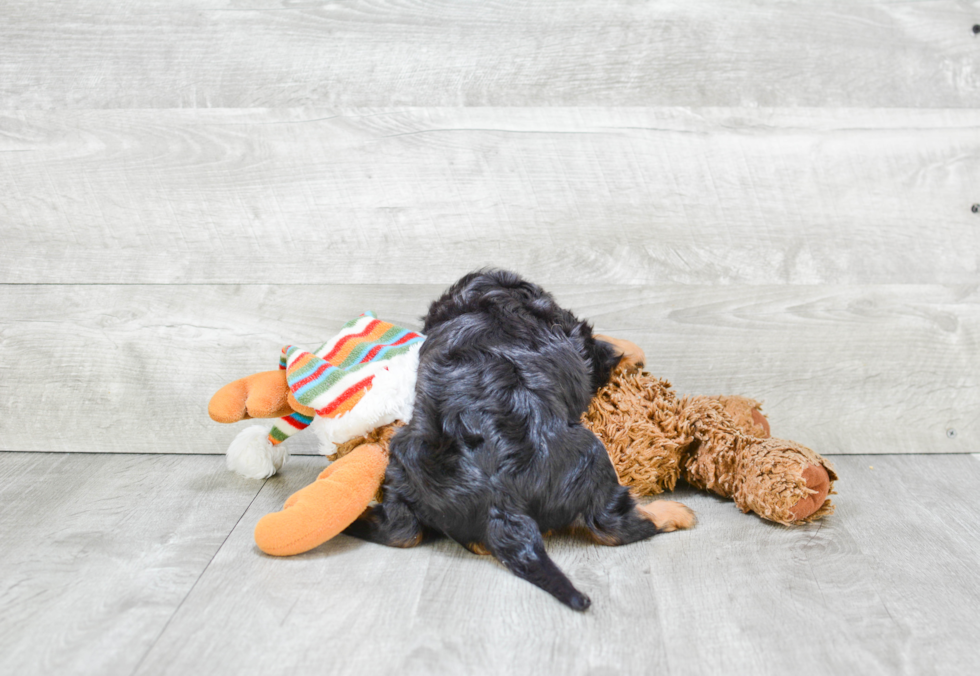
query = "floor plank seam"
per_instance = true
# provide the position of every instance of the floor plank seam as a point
(190, 591)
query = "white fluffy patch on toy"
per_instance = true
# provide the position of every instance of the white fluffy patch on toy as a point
(391, 398)
(252, 455)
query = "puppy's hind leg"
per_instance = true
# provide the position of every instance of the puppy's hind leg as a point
(613, 516)
(390, 523)
(614, 519)
(516, 542)
(668, 515)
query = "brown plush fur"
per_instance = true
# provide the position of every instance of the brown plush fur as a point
(745, 414)
(655, 437)
(380, 435)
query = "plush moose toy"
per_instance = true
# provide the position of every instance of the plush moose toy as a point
(359, 387)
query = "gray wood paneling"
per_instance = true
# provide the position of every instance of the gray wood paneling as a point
(255, 53)
(131, 368)
(844, 369)
(98, 551)
(707, 196)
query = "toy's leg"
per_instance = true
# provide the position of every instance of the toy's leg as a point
(747, 415)
(260, 395)
(318, 512)
(779, 480)
(784, 482)
(636, 418)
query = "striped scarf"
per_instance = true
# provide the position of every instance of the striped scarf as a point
(337, 375)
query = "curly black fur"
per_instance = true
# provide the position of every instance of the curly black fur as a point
(495, 452)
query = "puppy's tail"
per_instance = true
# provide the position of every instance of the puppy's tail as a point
(516, 542)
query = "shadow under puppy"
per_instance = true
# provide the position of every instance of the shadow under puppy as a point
(495, 452)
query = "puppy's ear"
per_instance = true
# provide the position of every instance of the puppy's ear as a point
(604, 357)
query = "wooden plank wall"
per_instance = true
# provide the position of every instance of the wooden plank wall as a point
(772, 199)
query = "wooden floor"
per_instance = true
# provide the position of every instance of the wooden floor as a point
(145, 564)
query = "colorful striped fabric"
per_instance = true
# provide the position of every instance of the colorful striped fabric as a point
(336, 376)
(287, 426)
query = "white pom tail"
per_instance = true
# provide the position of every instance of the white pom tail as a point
(252, 455)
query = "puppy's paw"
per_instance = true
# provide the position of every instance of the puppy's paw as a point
(478, 548)
(668, 515)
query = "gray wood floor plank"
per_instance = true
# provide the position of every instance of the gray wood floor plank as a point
(867, 369)
(325, 590)
(882, 587)
(103, 559)
(98, 551)
(926, 560)
(433, 609)
(211, 53)
(878, 369)
(566, 195)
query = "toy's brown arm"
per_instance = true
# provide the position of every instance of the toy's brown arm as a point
(318, 512)
(777, 479)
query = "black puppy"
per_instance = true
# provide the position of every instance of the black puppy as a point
(495, 452)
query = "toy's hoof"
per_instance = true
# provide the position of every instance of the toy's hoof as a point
(746, 414)
(817, 479)
(762, 422)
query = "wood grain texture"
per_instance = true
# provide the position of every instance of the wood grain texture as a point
(842, 369)
(884, 586)
(865, 369)
(255, 53)
(98, 551)
(640, 196)
(146, 564)
(132, 368)
(351, 607)
(936, 614)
